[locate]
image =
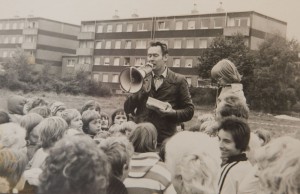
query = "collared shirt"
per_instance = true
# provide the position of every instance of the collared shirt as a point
(158, 79)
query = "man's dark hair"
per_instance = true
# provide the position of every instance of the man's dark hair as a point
(163, 46)
(239, 129)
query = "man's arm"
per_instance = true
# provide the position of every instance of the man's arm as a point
(134, 101)
(186, 111)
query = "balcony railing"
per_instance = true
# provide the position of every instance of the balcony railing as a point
(230, 31)
(29, 45)
(30, 31)
(86, 36)
(85, 51)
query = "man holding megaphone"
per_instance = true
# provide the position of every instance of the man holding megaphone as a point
(162, 97)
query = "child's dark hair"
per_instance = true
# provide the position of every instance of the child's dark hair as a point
(239, 129)
(120, 110)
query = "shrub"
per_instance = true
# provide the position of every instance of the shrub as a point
(203, 96)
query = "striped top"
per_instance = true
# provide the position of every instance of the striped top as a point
(238, 177)
(147, 175)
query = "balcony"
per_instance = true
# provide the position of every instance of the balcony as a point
(85, 51)
(29, 45)
(230, 31)
(30, 31)
(86, 36)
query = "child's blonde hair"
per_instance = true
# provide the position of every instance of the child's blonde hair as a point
(87, 117)
(144, 138)
(227, 71)
(89, 104)
(12, 135)
(279, 166)
(44, 111)
(69, 114)
(198, 173)
(51, 130)
(29, 121)
(13, 163)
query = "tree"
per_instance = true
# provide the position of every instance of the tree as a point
(274, 86)
(232, 48)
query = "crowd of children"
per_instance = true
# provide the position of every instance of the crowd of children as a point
(47, 147)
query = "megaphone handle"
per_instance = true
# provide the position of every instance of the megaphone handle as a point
(130, 77)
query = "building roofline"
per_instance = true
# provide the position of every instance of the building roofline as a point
(37, 18)
(183, 16)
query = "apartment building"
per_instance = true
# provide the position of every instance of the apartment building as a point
(45, 40)
(106, 47)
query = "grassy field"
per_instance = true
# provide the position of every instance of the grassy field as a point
(278, 127)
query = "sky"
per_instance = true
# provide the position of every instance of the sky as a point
(75, 11)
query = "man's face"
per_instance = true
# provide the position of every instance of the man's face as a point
(158, 60)
(227, 144)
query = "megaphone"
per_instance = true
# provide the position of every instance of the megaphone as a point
(132, 78)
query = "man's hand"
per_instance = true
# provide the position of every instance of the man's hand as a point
(165, 112)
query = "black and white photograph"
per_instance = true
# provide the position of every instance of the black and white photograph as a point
(150, 96)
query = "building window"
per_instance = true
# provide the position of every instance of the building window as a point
(129, 27)
(85, 60)
(188, 62)
(189, 43)
(106, 61)
(179, 25)
(115, 78)
(202, 43)
(98, 44)
(88, 28)
(204, 23)
(177, 44)
(97, 60)
(86, 44)
(118, 44)
(141, 27)
(128, 44)
(21, 25)
(96, 77)
(5, 53)
(14, 26)
(119, 28)
(32, 25)
(141, 44)
(6, 26)
(139, 61)
(104, 77)
(176, 62)
(71, 62)
(108, 44)
(243, 22)
(13, 39)
(162, 25)
(109, 28)
(99, 28)
(218, 22)
(29, 39)
(5, 40)
(191, 25)
(116, 61)
(126, 61)
(20, 39)
(189, 80)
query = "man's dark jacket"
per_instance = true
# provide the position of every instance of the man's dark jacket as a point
(174, 90)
